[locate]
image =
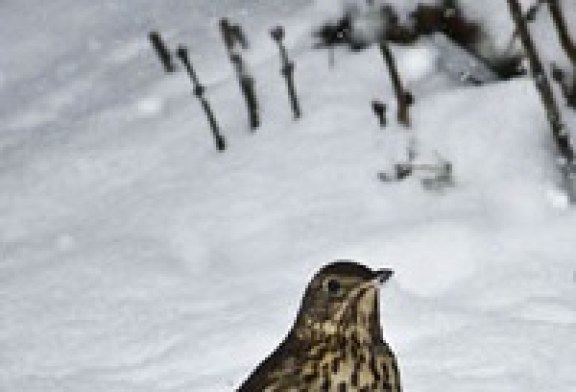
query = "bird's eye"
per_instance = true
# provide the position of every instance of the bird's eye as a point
(333, 287)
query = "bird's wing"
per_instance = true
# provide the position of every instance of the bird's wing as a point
(276, 370)
(390, 367)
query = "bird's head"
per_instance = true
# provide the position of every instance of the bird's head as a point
(341, 300)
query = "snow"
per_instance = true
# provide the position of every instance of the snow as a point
(134, 257)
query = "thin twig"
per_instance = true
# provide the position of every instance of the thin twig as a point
(568, 89)
(562, 29)
(379, 109)
(287, 71)
(542, 84)
(199, 90)
(403, 97)
(232, 35)
(567, 84)
(162, 51)
(559, 132)
(529, 16)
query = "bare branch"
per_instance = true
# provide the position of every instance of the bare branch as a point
(529, 16)
(562, 29)
(538, 73)
(567, 85)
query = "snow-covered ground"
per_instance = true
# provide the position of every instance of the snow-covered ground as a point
(134, 257)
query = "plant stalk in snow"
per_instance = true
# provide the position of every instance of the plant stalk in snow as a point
(199, 90)
(233, 36)
(559, 132)
(568, 87)
(379, 109)
(162, 51)
(287, 71)
(562, 29)
(567, 84)
(403, 97)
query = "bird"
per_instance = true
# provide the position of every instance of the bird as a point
(336, 343)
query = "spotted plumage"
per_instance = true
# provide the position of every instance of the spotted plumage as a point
(336, 343)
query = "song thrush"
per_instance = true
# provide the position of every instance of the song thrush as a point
(336, 343)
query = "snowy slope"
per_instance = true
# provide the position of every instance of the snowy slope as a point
(133, 257)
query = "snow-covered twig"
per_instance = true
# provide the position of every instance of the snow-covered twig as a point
(451, 29)
(436, 176)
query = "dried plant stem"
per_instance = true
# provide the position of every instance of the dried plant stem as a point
(403, 97)
(559, 132)
(199, 90)
(562, 29)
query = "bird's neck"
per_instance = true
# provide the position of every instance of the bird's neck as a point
(357, 325)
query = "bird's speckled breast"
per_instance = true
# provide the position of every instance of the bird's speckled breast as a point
(353, 368)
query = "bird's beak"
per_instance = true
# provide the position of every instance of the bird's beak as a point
(382, 275)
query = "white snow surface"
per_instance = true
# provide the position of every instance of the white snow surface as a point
(134, 257)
